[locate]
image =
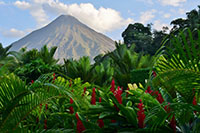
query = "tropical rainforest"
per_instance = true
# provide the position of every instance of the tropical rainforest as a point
(149, 83)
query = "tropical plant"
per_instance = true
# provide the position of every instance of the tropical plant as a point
(125, 60)
(178, 81)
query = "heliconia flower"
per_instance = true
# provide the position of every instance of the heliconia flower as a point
(100, 99)
(159, 97)
(173, 124)
(167, 108)
(71, 100)
(113, 121)
(80, 127)
(148, 90)
(194, 102)
(54, 77)
(117, 94)
(93, 98)
(71, 109)
(112, 86)
(84, 91)
(70, 83)
(45, 124)
(100, 123)
(140, 115)
(46, 106)
(154, 74)
(32, 81)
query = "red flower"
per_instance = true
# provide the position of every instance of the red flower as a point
(93, 98)
(100, 99)
(46, 106)
(117, 93)
(141, 115)
(32, 81)
(54, 77)
(154, 73)
(70, 83)
(159, 97)
(173, 123)
(148, 90)
(71, 100)
(100, 123)
(112, 86)
(194, 102)
(80, 127)
(45, 124)
(71, 109)
(167, 108)
(113, 121)
(84, 91)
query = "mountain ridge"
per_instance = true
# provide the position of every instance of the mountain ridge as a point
(73, 39)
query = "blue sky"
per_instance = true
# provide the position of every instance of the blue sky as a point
(110, 17)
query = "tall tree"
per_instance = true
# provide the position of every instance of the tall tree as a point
(4, 52)
(192, 21)
(144, 39)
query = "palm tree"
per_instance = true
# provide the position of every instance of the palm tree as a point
(125, 61)
(19, 102)
(178, 69)
(48, 55)
(4, 51)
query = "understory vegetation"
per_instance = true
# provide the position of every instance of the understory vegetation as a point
(148, 84)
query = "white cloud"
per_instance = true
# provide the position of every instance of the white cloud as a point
(172, 2)
(2, 3)
(147, 16)
(36, 11)
(13, 33)
(22, 4)
(102, 19)
(158, 25)
(146, 1)
(167, 15)
(181, 11)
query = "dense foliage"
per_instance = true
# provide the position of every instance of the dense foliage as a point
(122, 91)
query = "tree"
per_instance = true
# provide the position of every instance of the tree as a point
(144, 39)
(139, 35)
(192, 21)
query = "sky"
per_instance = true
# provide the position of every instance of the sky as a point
(110, 17)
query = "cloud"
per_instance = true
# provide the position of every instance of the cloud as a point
(158, 25)
(2, 3)
(181, 11)
(172, 2)
(146, 1)
(35, 10)
(167, 15)
(22, 4)
(147, 16)
(13, 33)
(102, 19)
